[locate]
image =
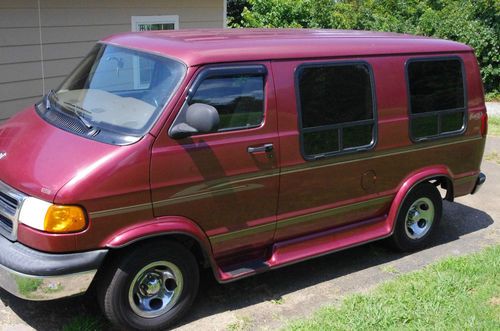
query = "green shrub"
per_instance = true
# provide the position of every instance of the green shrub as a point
(473, 22)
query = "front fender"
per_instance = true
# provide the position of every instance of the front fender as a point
(158, 227)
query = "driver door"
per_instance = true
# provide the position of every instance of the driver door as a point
(225, 181)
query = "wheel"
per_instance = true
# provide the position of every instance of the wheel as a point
(419, 215)
(150, 287)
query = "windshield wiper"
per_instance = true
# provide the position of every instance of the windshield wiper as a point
(47, 99)
(74, 112)
(82, 119)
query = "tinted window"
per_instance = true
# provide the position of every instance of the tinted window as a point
(321, 142)
(435, 85)
(335, 95)
(437, 97)
(337, 109)
(239, 99)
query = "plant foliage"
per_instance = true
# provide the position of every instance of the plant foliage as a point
(473, 22)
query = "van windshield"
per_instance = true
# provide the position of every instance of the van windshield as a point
(118, 89)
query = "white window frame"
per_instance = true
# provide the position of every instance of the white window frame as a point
(162, 19)
(159, 19)
(224, 13)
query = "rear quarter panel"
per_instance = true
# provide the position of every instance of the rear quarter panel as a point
(317, 186)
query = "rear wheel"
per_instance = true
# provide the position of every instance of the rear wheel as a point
(418, 217)
(151, 287)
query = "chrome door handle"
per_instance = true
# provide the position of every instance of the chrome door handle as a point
(264, 148)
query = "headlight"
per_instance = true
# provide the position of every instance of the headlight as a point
(52, 218)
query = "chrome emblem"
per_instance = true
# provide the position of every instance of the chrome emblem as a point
(2, 155)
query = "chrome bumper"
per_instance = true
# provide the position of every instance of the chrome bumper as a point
(37, 276)
(43, 288)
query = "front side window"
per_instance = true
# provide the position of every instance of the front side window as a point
(118, 90)
(437, 97)
(238, 98)
(337, 108)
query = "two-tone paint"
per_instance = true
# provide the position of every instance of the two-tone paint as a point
(248, 212)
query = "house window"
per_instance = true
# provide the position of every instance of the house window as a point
(154, 23)
(144, 69)
(337, 108)
(437, 97)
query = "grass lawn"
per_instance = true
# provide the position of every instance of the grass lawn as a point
(493, 156)
(494, 125)
(492, 96)
(85, 323)
(460, 293)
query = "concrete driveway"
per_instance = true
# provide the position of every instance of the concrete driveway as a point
(270, 300)
(493, 108)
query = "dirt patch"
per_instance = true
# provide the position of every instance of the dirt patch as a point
(495, 301)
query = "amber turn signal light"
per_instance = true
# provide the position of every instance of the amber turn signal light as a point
(64, 219)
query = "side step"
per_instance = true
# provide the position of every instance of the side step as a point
(244, 270)
(314, 245)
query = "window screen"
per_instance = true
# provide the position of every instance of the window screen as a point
(155, 26)
(239, 99)
(437, 97)
(337, 108)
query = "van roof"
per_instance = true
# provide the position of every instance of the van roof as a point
(197, 47)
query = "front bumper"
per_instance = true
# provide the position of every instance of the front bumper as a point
(38, 276)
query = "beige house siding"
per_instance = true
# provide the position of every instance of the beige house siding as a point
(62, 31)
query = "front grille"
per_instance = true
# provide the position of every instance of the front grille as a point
(6, 224)
(10, 202)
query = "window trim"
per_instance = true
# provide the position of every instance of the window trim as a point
(223, 70)
(302, 130)
(439, 113)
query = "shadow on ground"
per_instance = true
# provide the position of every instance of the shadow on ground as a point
(458, 220)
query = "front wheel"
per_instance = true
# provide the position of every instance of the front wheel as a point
(418, 217)
(151, 287)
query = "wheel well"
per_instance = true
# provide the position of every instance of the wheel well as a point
(193, 246)
(446, 184)
(115, 253)
(187, 241)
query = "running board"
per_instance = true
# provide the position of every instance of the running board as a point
(300, 249)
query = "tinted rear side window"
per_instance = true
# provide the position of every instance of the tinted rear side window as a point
(437, 97)
(337, 108)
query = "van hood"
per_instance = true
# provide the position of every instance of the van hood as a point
(38, 159)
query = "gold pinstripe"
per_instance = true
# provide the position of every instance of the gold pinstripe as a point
(293, 169)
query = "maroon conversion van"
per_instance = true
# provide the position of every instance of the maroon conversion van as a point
(235, 150)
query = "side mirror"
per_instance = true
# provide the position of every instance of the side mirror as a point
(199, 118)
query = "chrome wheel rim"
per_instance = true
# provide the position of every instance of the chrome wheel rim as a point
(419, 218)
(155, 289)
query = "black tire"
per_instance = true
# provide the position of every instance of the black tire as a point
(114, 288)
(404, 238)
